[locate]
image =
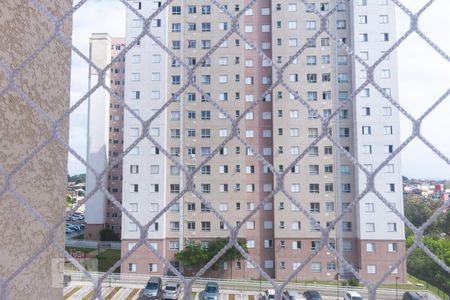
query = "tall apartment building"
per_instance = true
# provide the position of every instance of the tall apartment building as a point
(105, 134)
(319, 77)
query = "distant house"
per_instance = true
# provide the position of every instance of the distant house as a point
(407, 189)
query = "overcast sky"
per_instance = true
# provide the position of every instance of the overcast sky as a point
(423, 78)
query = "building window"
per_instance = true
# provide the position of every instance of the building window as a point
(132, 267)
(393, 247)
(344, 132)
(191, 225)
(296, 225)
(206, 226)
(316, 267)
(367, 149)
(346, 226)
(390, 187)
(370, 227)
(341, 24)
(296, 245)
(268, 244)
(363, 37)
(346, 188)
(370, 207)
(134, 169)
(314, 207)
(331, 266)
(371, 269)
(392, 227)
(370, 247)
(250, 225)
(388, 130)
(314, 188)
(153, 268)
(348, 245)
(134, 188)
(206, 27)
(329, 207)
(310, 25)
(366, 130)
(315, 245)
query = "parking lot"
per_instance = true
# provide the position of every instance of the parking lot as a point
(122, 293)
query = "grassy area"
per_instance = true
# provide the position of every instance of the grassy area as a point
(427, 286)
(401, 286)
(112, 293)
(107, 259)
(132, 294)
(194, 294)
(78, 237)
(89, 295)
(72, 292)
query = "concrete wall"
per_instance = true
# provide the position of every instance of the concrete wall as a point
(29, 269)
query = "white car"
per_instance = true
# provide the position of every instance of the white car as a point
(268, 294)
(293, 295)
(68, 230)
(171, 291)
(352, 295)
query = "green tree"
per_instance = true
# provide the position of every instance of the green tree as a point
(419, 210)
(77, 178)
(423, 267)
(196, 255)
(68, 201)
(193, 255)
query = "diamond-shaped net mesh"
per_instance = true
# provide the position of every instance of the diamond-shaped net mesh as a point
(326, 28)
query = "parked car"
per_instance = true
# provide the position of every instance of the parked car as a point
(153, 288)
(211, 291)
(293, 295)
(352, 295)
(312, 295)
(68, 230)
(268, 294)
(171, 291)
(412, 296)
(73, 227)
(77, 218)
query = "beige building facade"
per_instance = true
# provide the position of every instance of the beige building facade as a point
(105, 135)
(280, 121)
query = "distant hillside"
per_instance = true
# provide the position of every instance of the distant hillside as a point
(77, 178)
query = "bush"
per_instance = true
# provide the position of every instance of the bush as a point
(353, 282)
(108, 235)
